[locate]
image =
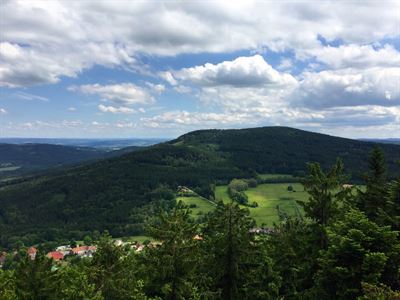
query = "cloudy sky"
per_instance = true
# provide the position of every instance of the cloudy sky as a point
(159, 69)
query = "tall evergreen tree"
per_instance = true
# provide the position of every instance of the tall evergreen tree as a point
(234, 259)
(325, 194)
(294, 248)
(113, 272)
(358, 251)
(373, 202)
(169, 265)
(34, 278)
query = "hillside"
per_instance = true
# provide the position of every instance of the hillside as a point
(287, 150)
(119, 193)
(21, 159)
(26, 159)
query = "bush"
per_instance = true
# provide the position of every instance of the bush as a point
(252, 182)
(239, 185)
(290, 188)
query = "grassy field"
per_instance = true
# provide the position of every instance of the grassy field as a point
(202, 205)
(269, 197)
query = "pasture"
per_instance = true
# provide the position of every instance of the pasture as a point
(272, 199)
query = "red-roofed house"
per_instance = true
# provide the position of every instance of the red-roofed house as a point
(32, 252)
(56, 255)
(84, 250)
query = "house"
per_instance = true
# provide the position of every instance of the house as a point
(84, 251)
(65, 249)
(32, 252)
(56, 255)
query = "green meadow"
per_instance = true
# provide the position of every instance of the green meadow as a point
(198, 205)
(271, 198)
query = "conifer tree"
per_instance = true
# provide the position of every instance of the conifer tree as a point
(373, 202)
(169, 265)
(234, 260)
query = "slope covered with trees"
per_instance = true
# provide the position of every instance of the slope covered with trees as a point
(119, 194)
(339, 251)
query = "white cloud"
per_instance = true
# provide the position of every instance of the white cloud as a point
(71, 109)
(357, 56)
(2, 111)
(156, 88)
(116, 110)
(120, 94)
(242, 72)
(44, 40)
(168, 77)
(349, 87)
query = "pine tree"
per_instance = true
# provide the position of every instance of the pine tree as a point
(325, 194)
(234, 260)
(169, 265)
(358, 251)
(373, 202)
(34, 278)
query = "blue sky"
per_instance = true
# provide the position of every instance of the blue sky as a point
(163, 68)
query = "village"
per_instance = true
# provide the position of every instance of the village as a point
(63, 252)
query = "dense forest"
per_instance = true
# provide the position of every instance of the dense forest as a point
(347, 247)
(120, 194)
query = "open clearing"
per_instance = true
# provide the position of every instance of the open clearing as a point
(203, 205)
(270, 197)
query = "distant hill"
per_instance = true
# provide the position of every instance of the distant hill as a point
(109, 144)
(119, 193)
(287, 150)
(22, 159)
(383, 141)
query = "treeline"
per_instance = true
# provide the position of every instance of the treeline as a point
(237, 188)
(347, 247)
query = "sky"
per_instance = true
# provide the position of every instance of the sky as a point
(120, 69)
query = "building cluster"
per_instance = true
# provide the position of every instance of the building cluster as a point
(64, 251)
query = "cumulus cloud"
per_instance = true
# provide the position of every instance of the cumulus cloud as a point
(120, 94)
(71, 109)
(357, 56)
(116, 110)
(2, 111)
(42, 40)
(242, 72)
(349, 87)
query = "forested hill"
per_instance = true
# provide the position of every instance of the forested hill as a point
(118, 193)
(287, 150)
(21, 159)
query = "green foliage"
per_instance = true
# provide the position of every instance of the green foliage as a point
(7, 285)
(73, 283)
(113, 272)
(378, 292)
(236, 263)
(374, 200)
(34, 278)
(323, 189)
(170, 265)
(358, 251)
